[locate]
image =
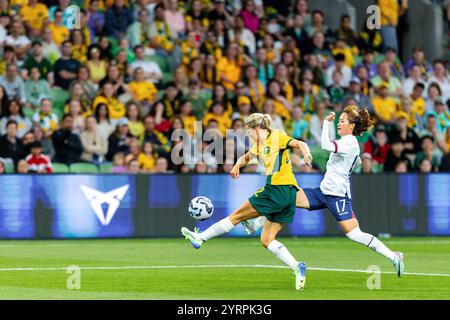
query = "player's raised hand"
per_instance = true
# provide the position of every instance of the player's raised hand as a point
(234, 173)
(331, 116)
(308, 159)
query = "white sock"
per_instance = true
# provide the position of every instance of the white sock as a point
(282, 253)
(372, 242)
(217, 229)
(259, 222)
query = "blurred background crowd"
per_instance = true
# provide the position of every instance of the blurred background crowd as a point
(103, 89)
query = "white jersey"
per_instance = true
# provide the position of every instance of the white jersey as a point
(340, 165)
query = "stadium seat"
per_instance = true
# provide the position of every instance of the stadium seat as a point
(59, 97)
(81, 167)
(9, 167)
(28, 113)
(106, 167)
(60, 167)
(163, 62)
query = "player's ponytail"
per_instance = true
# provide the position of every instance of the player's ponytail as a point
(360, 117)
(263, 121)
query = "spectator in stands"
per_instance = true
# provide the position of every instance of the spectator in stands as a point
(117, 19)
(2, 167)
(59, 32)
(67, 145)
(95, 18)
(95, 145)
(396, 154)
(300, 127)
(162, 165)
(401, 132)
(19, 41)
(10, 146)
(434, 93)
(418, 59)
(13, 83)
(146, 158)
(22, 167)
(159, 141)
(377, 145)
(119, 165)
(135, 123)
(142, 90)
(367, 163)
(133, 167)
(384, 105)
(354, 92)
(119, 140)
(37, 134)
(426, 166)
(415, 77)
(66, 68)
(428, 151)
(97, 67)
(441, 77)
(138, 32)
(339, 65)
(50, 50)
(38, 162)
(316, 124)
(34, 16)
(107, 96)
(384, 76)
(37, 60)
(389, 22)
(15, 112)
(395, 64)
(151, 70)
(46, 118)
(4, 101)
(104, 124)
(401, 167)
(162, 35)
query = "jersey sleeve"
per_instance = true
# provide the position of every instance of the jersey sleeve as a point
(254, 150)
(283, 140)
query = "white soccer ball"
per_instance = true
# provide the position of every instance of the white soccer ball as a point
(201, 208)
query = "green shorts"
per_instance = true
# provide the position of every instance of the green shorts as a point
(276, 203)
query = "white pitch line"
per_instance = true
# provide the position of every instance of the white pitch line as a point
(219, 266)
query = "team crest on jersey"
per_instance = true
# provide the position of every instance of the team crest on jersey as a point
(266, 150)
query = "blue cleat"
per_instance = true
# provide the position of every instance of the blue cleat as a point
(399, 265)
(300, 276)
(192, 236)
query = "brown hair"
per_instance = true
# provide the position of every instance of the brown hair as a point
(360, 117)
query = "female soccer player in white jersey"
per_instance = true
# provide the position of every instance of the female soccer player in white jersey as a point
(276, 200)
(334, 192)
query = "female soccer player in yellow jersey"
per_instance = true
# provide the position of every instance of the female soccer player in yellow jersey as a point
(334, 192)
(276, 200)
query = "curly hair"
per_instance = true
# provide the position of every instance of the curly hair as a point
(360, 117)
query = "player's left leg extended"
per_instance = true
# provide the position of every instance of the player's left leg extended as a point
(352, 231)
(269, 232)
(244, 212)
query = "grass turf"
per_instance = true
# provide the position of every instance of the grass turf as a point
(422, 255)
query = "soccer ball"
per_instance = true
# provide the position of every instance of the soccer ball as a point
(201, 208)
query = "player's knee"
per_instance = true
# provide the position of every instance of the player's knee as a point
(265, 241)
(355, 234)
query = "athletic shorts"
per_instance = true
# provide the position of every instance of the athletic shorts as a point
(276, 203)
(340, 207)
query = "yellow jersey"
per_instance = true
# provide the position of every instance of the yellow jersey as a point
(274, 153)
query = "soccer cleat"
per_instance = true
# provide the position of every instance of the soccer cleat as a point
(399, 265)
(300, 276)
(248, 227)
(192, 236)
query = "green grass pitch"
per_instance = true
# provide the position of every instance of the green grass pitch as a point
(150, 269)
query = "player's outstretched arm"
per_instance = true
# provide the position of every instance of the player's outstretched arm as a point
(327, 144)
(304, 149)
(242, 161)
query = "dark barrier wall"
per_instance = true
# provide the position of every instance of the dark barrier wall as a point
(90, 206)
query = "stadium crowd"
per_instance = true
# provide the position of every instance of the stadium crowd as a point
(110, 88)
